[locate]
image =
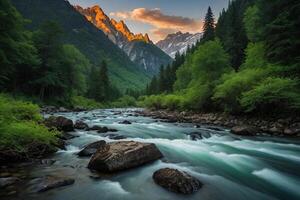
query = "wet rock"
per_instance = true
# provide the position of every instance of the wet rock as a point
(49, 182)
(60, 123)
(123, 155)
(102, 129)
(62, 109)
(7, 181)
(81, 125)
(176, 181)
(291, 131)
(114, 136)
(244, 130)
(195, 136)
(67, 136)
(47, 161)
(125, 122)
(61, 144)
(105, 130)
(91, 148)
(4, 174)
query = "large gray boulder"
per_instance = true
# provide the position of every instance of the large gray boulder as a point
(123, 155)
(176, 181)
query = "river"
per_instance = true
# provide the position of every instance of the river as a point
(230, 167)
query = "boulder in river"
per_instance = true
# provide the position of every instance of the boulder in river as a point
(91, 148)
(50, 182)
(7, 181)
(102, 129)
(244, 130)
(123, 155)
(60, 123)
(80, 125)
(176, 181)
(125, 122)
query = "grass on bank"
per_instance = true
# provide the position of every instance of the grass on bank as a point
(20, 126)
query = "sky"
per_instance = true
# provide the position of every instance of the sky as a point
(158, 17)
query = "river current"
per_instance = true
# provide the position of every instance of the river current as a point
(229, 166)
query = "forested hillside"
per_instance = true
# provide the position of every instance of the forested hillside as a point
(247, 63)
(94, 44)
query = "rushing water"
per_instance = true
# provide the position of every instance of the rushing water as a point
(230, 167)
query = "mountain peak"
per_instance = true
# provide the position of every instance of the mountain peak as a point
(109, 26)
(178, 42)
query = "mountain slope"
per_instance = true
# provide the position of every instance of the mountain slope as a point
(138, 47)
(178, 42)
(93, 43)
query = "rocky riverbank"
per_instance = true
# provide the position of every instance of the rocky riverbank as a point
(243, 125)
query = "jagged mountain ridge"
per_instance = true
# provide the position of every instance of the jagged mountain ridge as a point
(146, 55)
(93, 43)
(178, 42)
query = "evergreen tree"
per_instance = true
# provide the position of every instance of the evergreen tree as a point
(16, 50)
(161, 79)
(208, 27)
(280, 19)
(231, 31)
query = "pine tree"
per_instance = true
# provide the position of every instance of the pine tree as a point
(208, 27)
(16, 50)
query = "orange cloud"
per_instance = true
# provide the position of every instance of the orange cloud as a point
(163, 24)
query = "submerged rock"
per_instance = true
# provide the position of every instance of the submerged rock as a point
(7, 181)
(125, 122)
(102, 129)
(123, 155)
(67, 136)
(81, 125)
(91, 148)
(50, 182)
(60, 123)
(176, 181)
(244, 130)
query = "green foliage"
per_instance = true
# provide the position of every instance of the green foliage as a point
(233, 85)
(16, 51)
(124, 102)
(280, 19)
(271, 94)
(20, 125)
(166, 78)
(83, 102)
(231, 31)
(253, 24)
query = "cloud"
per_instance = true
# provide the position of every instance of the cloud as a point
(163, 24)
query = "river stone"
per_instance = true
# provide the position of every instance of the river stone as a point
(7, 181)
(125, 122)
(50, 182)
(91, 148)
(123, 155)
(80, 125)
(176, 181)
(244, 130)
(60, 123)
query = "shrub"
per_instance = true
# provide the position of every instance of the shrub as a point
(229, 91)
(20, 125)
(79, 101)
(125, 101)
(272, 93)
